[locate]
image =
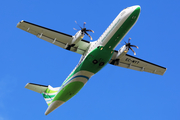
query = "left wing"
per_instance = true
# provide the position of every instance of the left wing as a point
(131, 62)
(57, 38)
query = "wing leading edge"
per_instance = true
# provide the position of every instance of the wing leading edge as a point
(131, 62)
(57, 38)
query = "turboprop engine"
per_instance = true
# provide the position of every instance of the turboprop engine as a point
(122, 52)
(79, 35)
(124, 49)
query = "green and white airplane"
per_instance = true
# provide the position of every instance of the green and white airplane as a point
(95, 55)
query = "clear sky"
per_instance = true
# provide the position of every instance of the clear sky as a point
(114, 93)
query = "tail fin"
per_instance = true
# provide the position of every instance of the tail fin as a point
(48, 92)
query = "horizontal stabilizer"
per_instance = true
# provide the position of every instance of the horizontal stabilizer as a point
(48, 92)
(36, 87)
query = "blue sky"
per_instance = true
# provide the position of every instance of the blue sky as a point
(113, 93)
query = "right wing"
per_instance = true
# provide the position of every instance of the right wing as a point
(58, 38)
(131, 62)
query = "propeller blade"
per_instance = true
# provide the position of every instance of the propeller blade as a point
(128, 45)
(134, 46)
(84, 24)
(84, 30)
(75, 29)
(88, 35)
(90, 31)
(132, 50)
(78, 24)
(129, 40)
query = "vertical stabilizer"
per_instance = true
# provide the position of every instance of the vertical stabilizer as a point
(49, 94)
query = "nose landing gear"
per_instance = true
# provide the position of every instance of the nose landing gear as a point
(101, 63)
(95, 61)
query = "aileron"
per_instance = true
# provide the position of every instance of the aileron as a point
(25, 24)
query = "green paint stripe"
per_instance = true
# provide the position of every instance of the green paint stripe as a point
(110, 30)
(123, 30)
(49, 103)
(100, 54)
(69, 91)
(48, 96)
(82, 76)
(50, 91)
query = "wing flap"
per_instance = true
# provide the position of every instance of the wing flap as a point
(135, 63)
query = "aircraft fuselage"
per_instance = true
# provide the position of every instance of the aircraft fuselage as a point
(96, 57)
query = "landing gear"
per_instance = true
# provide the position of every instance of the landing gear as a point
(95, 61)
(101, 63)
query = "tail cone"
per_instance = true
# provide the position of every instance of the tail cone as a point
(53, 106)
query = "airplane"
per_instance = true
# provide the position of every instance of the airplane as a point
(95, 55)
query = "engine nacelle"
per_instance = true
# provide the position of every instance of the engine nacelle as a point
(77, 37)
(122, 51)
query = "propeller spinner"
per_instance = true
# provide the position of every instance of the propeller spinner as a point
(84, 30)
(129, 46)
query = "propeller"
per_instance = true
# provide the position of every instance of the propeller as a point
(84, 30)
(129, 46)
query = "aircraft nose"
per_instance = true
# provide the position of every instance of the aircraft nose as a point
(137, 8)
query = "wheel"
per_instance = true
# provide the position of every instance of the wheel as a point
(101, 63)
(95, 61)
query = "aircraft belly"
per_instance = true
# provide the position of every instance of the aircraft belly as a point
(96, 60)
(69, 91)
(69, 88)
(83, 73)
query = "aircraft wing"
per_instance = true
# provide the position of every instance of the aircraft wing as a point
(131, 62)
(57, 38)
